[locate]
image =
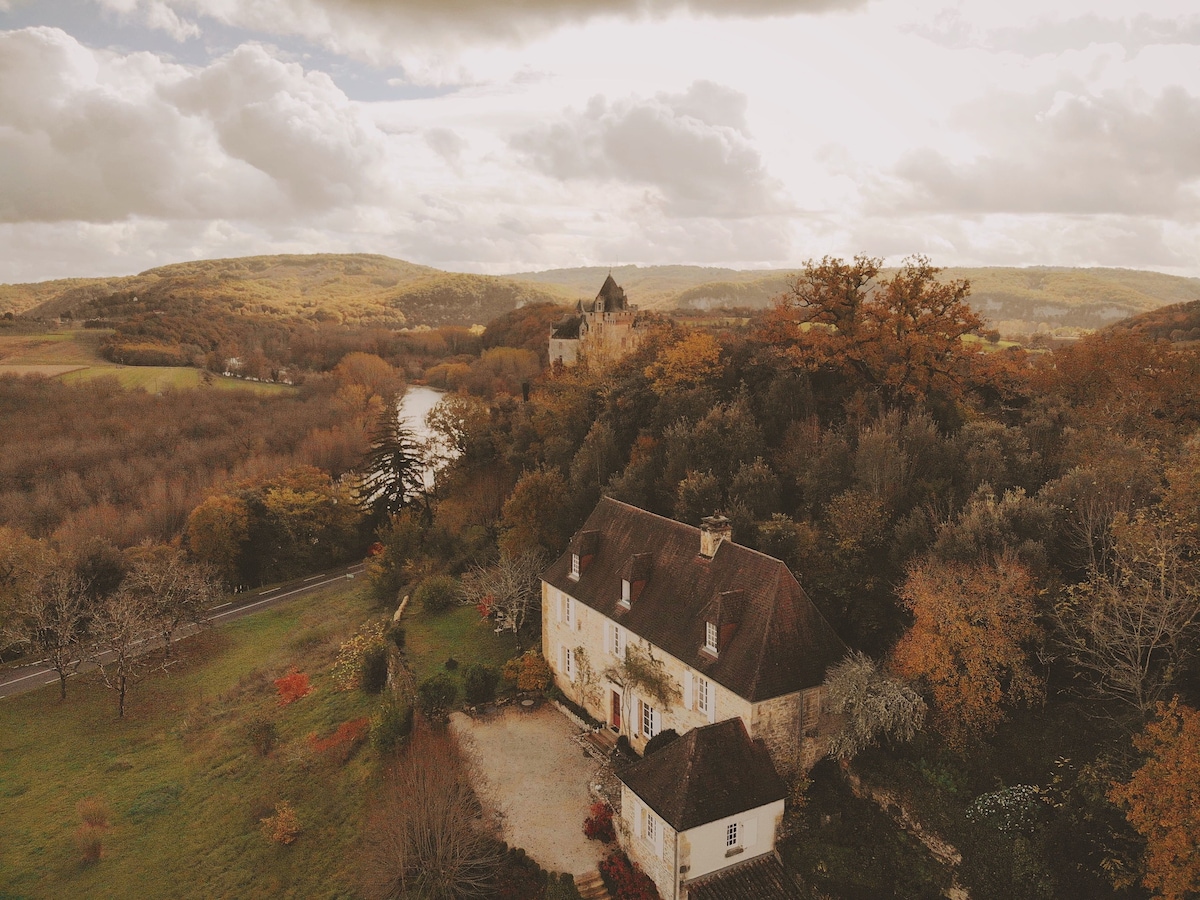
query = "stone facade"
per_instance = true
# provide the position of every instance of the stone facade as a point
(592, 681)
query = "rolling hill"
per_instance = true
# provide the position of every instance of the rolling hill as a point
(371, 290)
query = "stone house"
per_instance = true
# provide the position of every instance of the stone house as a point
(652, 624)
(605, 329)
(700, 817)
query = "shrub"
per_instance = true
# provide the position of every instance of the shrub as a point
(659, 741)
(436, 594)
(282, 827)
(343, 742)
(348, 670)
(389, 726)
(479, 683)
(89, 842)
(451, 664)
(292, 686)
(437, 693)
(263, 735)
(625, 880)
(562, 887)
(529, 671)
(599, 825)
(93, 811)
(373, 670)
(395, 634)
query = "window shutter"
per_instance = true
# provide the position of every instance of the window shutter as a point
(558, 605)
(687, 690)
(658, 839)
(621, 637)
(562, 658)
(712, 702)
(637, 719)
(749, 832)
(656, 719)
(638, 820)
(608, 636)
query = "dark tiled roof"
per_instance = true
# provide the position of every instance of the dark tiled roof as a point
(567, 328)
(763, 878)
(706, 775)
(781, 644)
(613, 295)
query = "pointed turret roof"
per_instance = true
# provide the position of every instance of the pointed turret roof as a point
(612, 294)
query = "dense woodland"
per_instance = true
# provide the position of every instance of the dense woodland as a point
(1011, 537)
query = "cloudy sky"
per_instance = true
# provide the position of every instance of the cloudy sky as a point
(488, 136)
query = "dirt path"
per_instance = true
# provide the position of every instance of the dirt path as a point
(534, 779)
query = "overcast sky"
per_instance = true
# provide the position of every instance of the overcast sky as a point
(486, 136)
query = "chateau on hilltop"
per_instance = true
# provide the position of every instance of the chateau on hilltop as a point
(652, 624)
(607, 328)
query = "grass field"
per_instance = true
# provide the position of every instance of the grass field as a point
(184, 786)
(74, 355)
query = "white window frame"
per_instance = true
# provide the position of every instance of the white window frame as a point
(648, 717)
(710, 637)
(651, 827)
(569, 662)
(568, 611)
(626, 595)
(616, 645)
(733, 834)
(703, 694)
(574, 576)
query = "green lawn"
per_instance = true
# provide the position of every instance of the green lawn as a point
(458, 633)
(185, 788)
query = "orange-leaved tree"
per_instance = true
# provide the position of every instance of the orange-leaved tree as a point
(1162, 798)
(968, 642)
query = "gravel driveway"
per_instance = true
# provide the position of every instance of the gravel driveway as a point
(533, 778)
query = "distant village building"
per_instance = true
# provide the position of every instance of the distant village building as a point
(651, 624)
(605, 329)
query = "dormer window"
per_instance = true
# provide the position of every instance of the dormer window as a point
(574, 567)
(710, 637)
(625, 593)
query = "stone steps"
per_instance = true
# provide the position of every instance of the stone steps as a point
(591, 887)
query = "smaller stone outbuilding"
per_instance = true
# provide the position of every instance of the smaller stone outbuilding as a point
(700, 816)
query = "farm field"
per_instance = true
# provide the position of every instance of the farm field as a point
(74, 356)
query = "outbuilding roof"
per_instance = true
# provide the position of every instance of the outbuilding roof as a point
(763, 878)
(710, 773)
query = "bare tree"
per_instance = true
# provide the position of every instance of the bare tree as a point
(50, 619)
(122, 626)
(1130, 627)
(872, 704)
(425, 838)
(176, 592)
(511, 590)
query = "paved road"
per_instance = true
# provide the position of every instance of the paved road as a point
(19, 679)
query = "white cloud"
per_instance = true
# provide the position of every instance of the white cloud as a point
(94, 136)
(690, 149)
(1064, 152)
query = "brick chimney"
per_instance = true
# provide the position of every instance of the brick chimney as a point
(714, 530)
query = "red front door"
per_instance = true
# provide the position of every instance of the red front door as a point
(616, 711)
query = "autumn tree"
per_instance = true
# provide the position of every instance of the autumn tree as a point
(121, 627)
(217, 532)
(423, 837)
(874, 706)
(509, 591)
(1161, 800)
(972, 625)
(1131, 626)
(176, 591)
(900, 338)
(535, 516)
(49, 617)
(692, 362)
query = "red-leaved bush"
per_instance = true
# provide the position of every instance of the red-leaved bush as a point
(599, 825)
(626, 880)
(344, 741)
(292, 686)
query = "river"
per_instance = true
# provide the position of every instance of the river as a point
(414, 406)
